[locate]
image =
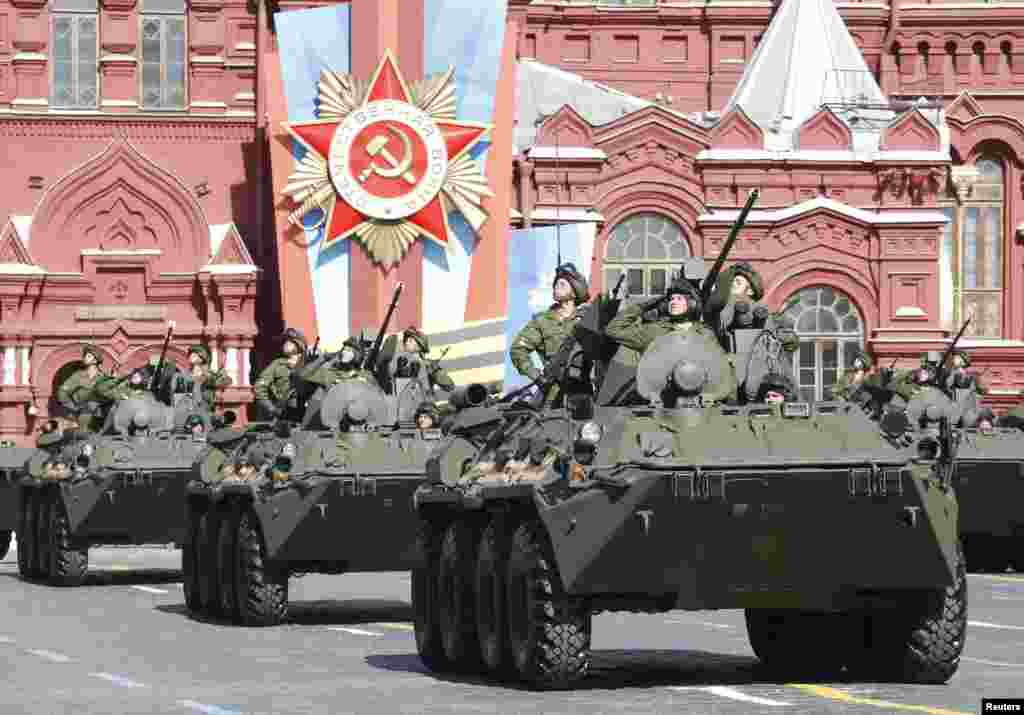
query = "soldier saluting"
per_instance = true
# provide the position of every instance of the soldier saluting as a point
(77, 394)
(547, 330)
(201, 380)
(678, 310)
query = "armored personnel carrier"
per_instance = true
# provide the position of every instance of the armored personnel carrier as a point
(532, 520)
(121, 486)
(12, 468)
(332, 495)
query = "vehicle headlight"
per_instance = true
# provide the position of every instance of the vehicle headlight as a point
(88, 450)
(288, 451)
(590, 432)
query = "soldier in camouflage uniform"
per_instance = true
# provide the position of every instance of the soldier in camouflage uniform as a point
(332, 368)
(733, 305)
(273, 388)
(677, 311)
(852, 379)
(201, 381)
(776, 388)
(547, 330)
(415, 377)
(427, 416)
(112, 389)
(958, 377)
(77, 394)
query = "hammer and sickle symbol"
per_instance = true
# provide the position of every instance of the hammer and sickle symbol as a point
(378, 145)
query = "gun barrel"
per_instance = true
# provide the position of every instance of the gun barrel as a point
(371, 357)
(940, 370)
(618, 285)
(734, 232)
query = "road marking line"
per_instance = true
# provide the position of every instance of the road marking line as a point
(992, 662)
(986, 624)
(149, 589)
(732, 694)
(999, 577)
(6, 639)
(51, 656)
(207, 709)
(118, 680)
(354, 631)
(397, 626)
(834, 694)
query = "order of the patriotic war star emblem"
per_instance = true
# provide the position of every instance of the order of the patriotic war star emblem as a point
(385, 162)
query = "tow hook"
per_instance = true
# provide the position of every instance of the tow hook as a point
(910, 515)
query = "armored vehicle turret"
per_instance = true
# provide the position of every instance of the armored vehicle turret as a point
(123, 485)
(332, 495)
(674, 490)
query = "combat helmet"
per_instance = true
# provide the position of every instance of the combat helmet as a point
(746, 270)
(354, 344)
(421, 340)
(202, 351)
(90, 349)
(428, 408)
(964, 357)
(571, 274)
(295, 336)
(684, 287)
(776, 382)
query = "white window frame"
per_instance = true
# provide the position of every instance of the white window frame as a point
(76, 16)
(843, 340)
(671, 266)
(162, 17)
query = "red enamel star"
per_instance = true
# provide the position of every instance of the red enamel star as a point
(387, 161)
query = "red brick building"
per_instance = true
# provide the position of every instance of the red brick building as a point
(137, 184)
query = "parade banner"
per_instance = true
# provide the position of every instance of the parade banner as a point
(443, 115)
(533, 255)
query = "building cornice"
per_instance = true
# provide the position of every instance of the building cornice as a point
(182, 127)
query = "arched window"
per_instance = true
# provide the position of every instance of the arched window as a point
(831, 331)
(973, 256)
(649, 247)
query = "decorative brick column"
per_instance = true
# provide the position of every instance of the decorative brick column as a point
(31, 37)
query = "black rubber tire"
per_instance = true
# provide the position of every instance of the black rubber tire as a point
(227, 560)
(801, 643)
(206, 562)
(190, 561)
(69, 560)
(1017, 554)
(43, 549)
(426, 626)
(5, 543)
(455, 600)
(549, 633)
(489, 609)
(927, 636)
(26, 533)
(261, 591)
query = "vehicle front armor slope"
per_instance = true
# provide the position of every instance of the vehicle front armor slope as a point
(123, 486)
(801, 514)
(332, 495)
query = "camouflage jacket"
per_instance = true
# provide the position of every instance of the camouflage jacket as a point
(845, 387)
(274, 383)
(215, 380)
(629, 329)
(113, 388)
(544, 335)
(77, 391)
(430, 374)
(327, 376)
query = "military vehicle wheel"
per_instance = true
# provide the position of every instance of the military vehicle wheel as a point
(69, 561)
(26, 533)
(424, 597)
(227, 560)
(44, 548)
(261, 591)
(5, 543)
(455, 600)
(549, 635)
(206, 562)
(189, 561)
(491, 619)
(921, 642)
(794, 642)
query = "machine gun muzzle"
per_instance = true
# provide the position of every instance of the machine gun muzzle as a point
(472, 395)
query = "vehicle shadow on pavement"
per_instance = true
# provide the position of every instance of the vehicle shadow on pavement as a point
(328, 612)
(627, 669)
(118, 577)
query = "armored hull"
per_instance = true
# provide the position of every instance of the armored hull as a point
(12, 468)
(989, 480)
(794, 513)
(303, 501)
